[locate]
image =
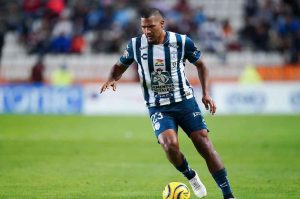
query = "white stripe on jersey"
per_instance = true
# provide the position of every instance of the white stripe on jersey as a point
(144, 50)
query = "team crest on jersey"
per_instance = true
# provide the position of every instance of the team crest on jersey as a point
(173, 55)
(173, 45)
(161, 81)
(159, 62)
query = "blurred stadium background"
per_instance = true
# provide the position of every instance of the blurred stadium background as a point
(75, 42)
(54, 55)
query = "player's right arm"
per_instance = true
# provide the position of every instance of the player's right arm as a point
(115, 74)
(119, 68)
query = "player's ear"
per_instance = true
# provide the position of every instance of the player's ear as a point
(162, 23)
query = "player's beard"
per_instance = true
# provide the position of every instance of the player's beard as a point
(155, 39)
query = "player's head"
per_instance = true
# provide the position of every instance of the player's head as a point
(152, 23)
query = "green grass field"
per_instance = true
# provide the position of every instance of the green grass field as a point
(72, 157)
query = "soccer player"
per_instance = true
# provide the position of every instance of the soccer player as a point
(161, 56)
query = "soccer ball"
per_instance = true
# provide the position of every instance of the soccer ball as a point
(176, 190)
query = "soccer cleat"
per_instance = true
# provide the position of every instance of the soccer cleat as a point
(198, 187)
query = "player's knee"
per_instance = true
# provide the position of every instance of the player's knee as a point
(200, 136)
(170, 146)
(202, 143)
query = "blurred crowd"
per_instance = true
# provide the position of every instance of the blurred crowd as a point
(272, 25)
(77, 26)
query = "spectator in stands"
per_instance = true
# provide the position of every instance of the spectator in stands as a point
(38, 40)
(60, 26)
(261, 37)
(13, 17)
(62, 34)
(182, 6)
(211, 35)
(110, 40)
(211, 38)
(2, 33)
(187, 25)
(32, 8)
(77, 44)
(199, 16)
(250, 8)
(37, 72)
(94, 17)
(64, 26)
(295, 50)
(61, 44)
(54, 8)
(230, 40)
(62, 76)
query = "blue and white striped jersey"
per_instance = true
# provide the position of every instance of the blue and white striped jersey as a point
(161, 67)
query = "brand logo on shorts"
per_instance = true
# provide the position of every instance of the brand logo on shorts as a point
(196, 114)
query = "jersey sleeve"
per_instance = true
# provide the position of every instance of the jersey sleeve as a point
(127, 58)
(191, 52)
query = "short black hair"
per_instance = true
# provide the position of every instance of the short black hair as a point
(148, 12)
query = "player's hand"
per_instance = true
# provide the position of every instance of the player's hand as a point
(109, 83)
(209, 104)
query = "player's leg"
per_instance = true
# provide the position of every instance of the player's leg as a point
(206, 150)
(169, 142)
(165, 128)
(213, 160)
(193, 123)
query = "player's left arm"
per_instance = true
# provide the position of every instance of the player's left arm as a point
(203, 77)
(194, 56)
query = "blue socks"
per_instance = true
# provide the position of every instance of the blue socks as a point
(221, 179)
(185, 169)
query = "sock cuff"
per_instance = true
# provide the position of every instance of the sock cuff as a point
(183, 166)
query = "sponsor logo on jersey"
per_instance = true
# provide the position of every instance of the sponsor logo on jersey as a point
(144, 56)
(165, 95)
(159, 62)
(161, 81)
(187, 93)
